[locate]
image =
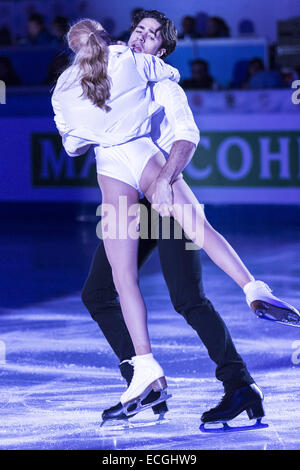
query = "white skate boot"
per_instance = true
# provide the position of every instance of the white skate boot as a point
(147, 388)
(269, 307)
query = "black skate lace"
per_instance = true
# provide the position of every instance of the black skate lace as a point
(223, 399)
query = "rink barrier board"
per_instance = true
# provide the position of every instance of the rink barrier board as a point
(234, 163)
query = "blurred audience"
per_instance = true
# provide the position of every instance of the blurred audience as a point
(188, 28)
(5, 36)
(288, 75)
(246, 74)
(59, 28)
(254, 67)
(258, 78)
(246, 28)
(201, 20)
(217, 28)
(239, 74)
(200, 77)
(37, 32)
(58, 64)
(7, 72)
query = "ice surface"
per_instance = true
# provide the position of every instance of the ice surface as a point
(58, 374)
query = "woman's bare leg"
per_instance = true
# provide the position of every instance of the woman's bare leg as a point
(213, 243)
(190, 215)
(122, 255)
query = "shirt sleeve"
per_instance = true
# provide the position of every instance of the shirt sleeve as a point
(153, 69)
(178, 113)
(74, 145)
(58, 115)
(63, 80)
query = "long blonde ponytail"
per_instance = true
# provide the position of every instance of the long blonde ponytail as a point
(89, 41)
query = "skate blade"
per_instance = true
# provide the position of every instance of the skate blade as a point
(139, 404)
(114, 424)
(120, 425)
(117, 423)
(270, 312)
(226, 428)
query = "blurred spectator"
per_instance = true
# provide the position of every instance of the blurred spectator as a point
(59, 29)
(7, 72)
(201, 20)
(255, 65)
(58, 64)
(5, 36)
(266, 79)
(240, 74)
(188, 28)
(126, 34)
(246, 28)
(37, 33)
(200, 77)
(258, 78)
(288, 75)
(217, 28)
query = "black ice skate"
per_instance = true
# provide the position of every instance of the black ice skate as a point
(268, 307)
(248, 398)
(152, 400)
(148, 388)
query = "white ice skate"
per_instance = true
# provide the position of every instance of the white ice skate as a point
(267, 306)
(147, 388)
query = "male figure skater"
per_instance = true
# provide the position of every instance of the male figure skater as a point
(155, 34)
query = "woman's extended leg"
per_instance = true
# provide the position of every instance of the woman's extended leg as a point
(213, 243)
(190, 215)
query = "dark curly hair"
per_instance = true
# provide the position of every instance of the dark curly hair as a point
(167, 30)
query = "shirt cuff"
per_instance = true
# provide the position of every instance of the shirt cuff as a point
(75, 144)
(190, 135)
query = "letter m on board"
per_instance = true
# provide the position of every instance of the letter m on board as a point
(50, 164)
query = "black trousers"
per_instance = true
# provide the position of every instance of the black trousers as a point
(183, 274)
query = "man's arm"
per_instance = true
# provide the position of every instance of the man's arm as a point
(181, 154)
(186, 135)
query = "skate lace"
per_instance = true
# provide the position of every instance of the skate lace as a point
(223, 400)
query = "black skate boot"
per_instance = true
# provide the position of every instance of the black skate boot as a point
(248, 398)
(117, 412)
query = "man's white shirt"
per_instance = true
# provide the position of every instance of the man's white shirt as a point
(175, 121)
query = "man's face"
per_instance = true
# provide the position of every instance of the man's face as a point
(33, 28)
(198, 71)
(146, 38)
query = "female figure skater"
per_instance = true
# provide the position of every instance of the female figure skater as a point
(103, 99)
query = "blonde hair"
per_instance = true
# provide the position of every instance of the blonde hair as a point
(88, 40)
